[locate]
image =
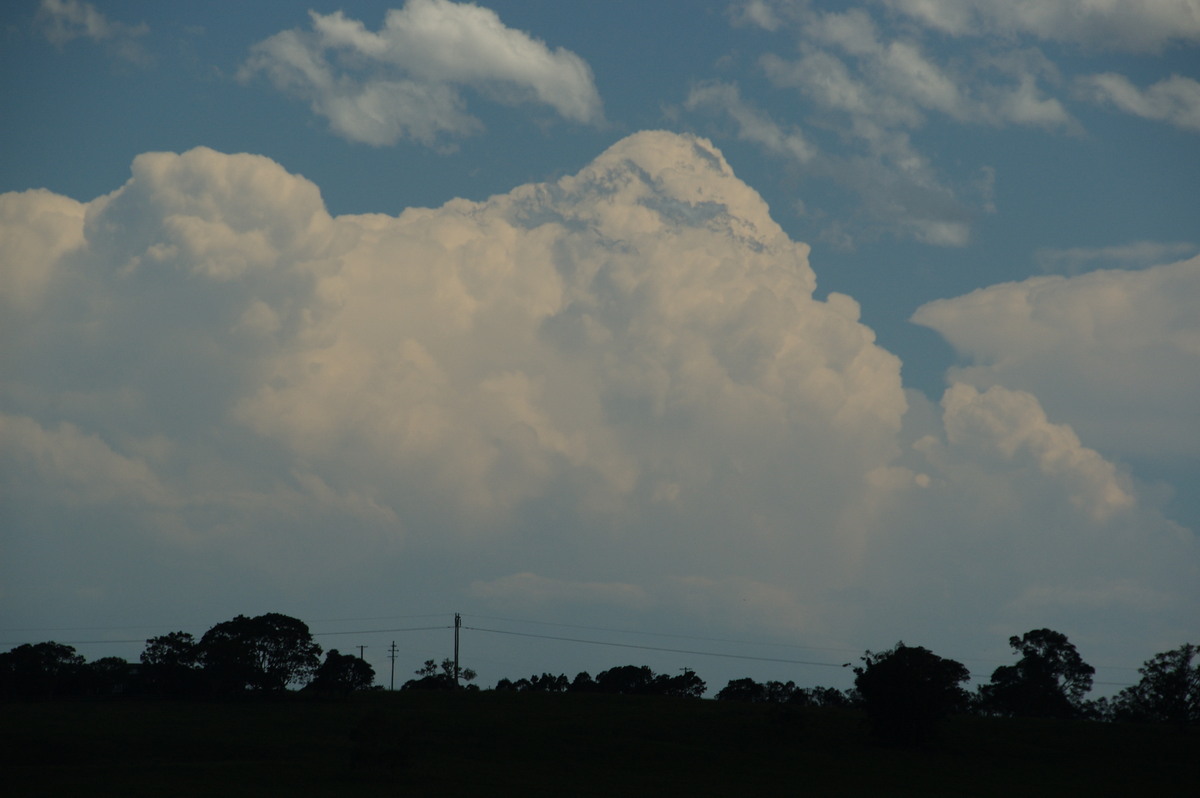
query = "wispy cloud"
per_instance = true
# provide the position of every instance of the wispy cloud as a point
(1121, 25)
(405, 80)
(1132, 256)
(867, 89)
(63, 21)
(1175, 100)
(753, 125)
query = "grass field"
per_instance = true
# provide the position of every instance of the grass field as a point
(449, 744)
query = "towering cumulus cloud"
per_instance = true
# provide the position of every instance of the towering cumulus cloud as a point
(618, 389)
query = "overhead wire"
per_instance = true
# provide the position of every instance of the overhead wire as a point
(657, 648)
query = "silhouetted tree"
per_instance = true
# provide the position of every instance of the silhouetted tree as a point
(262, 654)
(686, 685)
(746, 690)
(546, 683)
(906, 690)
(1048, 681)
(41, 670)
(583, 683)
(435, 678)
(782, 693)
(1168, 692)
(625, 680)
(641, 680)
(171, 665)
(341, 674)
(109, 676)
(826, 697)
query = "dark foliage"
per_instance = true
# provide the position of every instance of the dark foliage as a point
(583, 683)
(1048, 681)
(782, 693)
(1168, 692)
(266, 653)
(435, 677)
(546, 683)
(41, 670)
(110, 676)
(341, 674)
(641, 680)
(906, 690)
(171, 665)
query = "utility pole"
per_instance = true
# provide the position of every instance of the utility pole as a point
(457, 626)
(392, 657)
(360, 651)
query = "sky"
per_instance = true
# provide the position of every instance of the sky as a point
(739, 336)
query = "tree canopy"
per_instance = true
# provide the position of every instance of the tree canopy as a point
(40, 669)
(1049, 680)
(1168, 692)
(266, 653)
(341, 674)
(907, 689)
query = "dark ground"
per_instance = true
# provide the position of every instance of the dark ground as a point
(489, 743)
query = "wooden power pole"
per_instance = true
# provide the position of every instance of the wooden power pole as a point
(457, 626)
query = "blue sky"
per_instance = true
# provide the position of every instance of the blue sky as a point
(369, 310)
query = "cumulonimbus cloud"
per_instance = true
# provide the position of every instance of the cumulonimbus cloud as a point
(619, 386)
(406, 80)
(1114, 352)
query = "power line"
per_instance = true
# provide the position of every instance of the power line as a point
(314, 634)
(76, 642)
(660, 648)
(382, 631)
(668, 634)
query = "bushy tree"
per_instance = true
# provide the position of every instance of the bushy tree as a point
(1049, 680)
(685, 685)
(171, 665)
(1168, 692)
(625, 680)
(109, 676)
(745, 690)
(906, 690)
(546, 683)
(341, 674)
(41, 670)
(435, 677)
(641, 680)
(583, 683)
(266, 653)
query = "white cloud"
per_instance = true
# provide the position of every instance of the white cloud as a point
(405, 80)
(1114, 353)
(85, 468)
(616, 389)
(752, 125)
(1175, 100)
(869, 89)
(1011, 426)
(66, 20)
(38, 228)
(1123, 25)
(1135, 255)
(760, 13)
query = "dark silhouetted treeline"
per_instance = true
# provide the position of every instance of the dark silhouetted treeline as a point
(904, 691)
(266, 654)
